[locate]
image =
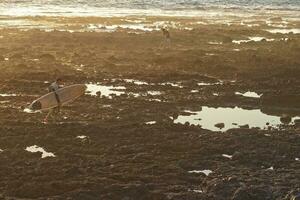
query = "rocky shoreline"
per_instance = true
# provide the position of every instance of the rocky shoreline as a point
(126, 145)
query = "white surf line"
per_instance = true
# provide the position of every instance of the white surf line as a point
(206, 171)
(115, 27)
(254, 39)
(284, 31)
(35, 148)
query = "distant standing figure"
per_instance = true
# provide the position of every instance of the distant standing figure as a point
(167, 38)
(53, 88)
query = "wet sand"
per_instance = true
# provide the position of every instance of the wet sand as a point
(127, 146)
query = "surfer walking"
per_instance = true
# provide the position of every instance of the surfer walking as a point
(58, 83)
(167, 38)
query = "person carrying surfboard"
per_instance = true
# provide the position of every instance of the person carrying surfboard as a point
(53, 88)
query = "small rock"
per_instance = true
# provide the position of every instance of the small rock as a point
(285, 119)
(244, 126)
(297, 122)
(220, 125)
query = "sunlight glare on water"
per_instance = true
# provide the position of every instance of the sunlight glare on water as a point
(231, 117)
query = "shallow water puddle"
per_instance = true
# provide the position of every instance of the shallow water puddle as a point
(1, 150)
(206, 171)
(36, 148)
(171, 84)
(157, 100)
(154, 93)
(197, 191)
(227, 156)
(285, 31)
(7, 95)
(106, 91)
(81, 137)
(249, 94)
(151, 122)
(27, 110)
(215, 43)
(208, 117)
(206, 84)
(136, 82)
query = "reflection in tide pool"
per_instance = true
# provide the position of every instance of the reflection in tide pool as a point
(231, 117)
(107, 91)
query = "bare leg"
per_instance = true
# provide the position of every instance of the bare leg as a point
(47, 116)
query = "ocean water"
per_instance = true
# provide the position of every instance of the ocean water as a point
(135, 7)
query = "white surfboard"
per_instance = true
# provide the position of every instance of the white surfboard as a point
(66, 95)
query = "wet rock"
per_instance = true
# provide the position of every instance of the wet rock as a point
(47, 57)
(227, 39)
(281, 100)
(220, 125)
(285, 119)
(73, 172)
(16, 57)
(87, 195)
(244, 126)
(250, 193)
(297, 122)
